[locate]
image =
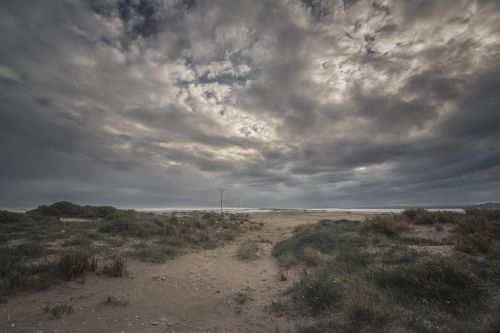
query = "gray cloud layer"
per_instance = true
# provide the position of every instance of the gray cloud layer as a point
(284, 103)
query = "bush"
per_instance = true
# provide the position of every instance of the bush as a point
(73, 263)
(422, 216)
(248, 250)
(474, 243)
(384, 224)
(69, 209)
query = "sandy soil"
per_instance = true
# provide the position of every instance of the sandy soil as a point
(207, 291)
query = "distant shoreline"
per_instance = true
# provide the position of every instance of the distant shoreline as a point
(265, 210)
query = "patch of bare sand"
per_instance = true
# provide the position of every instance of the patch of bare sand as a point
(196, 292)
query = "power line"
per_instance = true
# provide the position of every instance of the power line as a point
(65, 113)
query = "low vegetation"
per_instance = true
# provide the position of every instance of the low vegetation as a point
(377, 276)
(115, 268)
(73, 263)
(384, 224)
(248, 250)
(64, 241)
(115, 301)
(58, 310)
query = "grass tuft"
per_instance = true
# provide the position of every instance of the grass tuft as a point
(317, 291)
(115, 301)
(58, 310)
(116, 268)
(443, 283)
(73, 263)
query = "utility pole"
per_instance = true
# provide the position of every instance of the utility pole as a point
(221, 192)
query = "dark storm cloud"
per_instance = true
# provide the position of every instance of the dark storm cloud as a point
(284, 103)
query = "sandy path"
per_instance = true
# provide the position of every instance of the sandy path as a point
(195, 292)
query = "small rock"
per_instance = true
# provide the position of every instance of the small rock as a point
(155, 323)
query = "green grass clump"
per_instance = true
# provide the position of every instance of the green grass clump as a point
(444, 283)
(248, 250)
(399, 255)
(327, 237)
(317, 291)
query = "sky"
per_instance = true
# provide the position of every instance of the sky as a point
(283, 103)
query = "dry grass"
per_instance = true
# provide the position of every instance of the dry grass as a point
(116, 268)
(384, 224)
(73, 263)
(248, 250)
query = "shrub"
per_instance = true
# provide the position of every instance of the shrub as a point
(69, 209)
(384, 224)
(474, 243)
(422, 216)
(248, 250)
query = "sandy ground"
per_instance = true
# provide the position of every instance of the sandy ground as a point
(207, 291)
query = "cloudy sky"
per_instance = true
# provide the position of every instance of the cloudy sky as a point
(284, 103)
